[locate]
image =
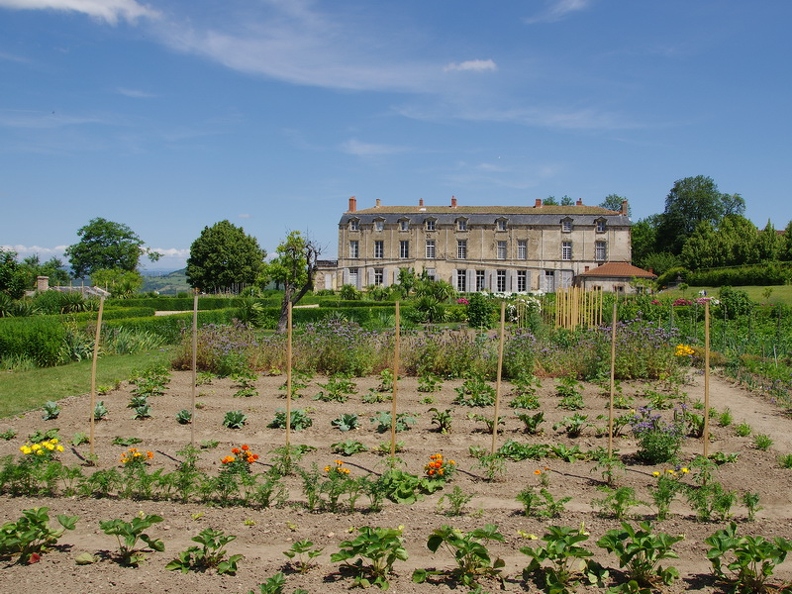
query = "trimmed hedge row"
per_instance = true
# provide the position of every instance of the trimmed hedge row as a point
(38, 337)
(771, 273)
(336, 303)
(179, 303)
(171, 327)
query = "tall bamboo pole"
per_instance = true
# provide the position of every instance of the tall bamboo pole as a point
(93, 374)
(396, 350)
(194, 367)
(288, 379)
(706, 375)
(612, 382)
(498, 378)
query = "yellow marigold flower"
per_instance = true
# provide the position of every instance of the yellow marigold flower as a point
(50, 446)
(54, 440)
(327, 469)
(35, 447)
(671, 471)
(25, 449)
(59, 448)
(39, 452)
(685, 470)
(655, 473)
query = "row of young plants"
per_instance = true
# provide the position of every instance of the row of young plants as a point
(743, 563)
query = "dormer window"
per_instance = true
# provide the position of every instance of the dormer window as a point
(354, 224)
(430, 225)
(601, 225)
(462, 225)
(404, 225)
(379, 225)
(501, 225)
(566, 225)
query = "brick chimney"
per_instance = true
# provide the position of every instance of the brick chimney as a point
(352, 204)
(453, 202)
(579, 202)
(538, 203)
(420, 202)
(378, 203)
(625, 208)
(42, 283)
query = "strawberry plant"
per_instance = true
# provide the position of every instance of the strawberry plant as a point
(31, 535)
(129, 533)
(303, 551)
(555, 565)
(210, 555)
(380, 547)
(640, 550)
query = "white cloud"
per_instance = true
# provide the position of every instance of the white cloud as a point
(244, 216)
(557, 10)
(11, 118)
(44, 253)
(133, 93)
(472, 65)
(107, 10)
(172, 252)
(366, 149)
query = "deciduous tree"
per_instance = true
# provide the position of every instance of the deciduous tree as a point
(224, 258)
(106, 245)
(294, 268)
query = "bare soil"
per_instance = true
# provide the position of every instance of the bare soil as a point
(263, 535)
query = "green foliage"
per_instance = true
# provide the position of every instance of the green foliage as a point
(532, 422)
(299, 419)
(762, 442)
(234, 419)
(542, 504)
(129, 533)
(743, 430)
(383, 420)
(209, 554)
(554, 566)
(475, 391)
(31, 535)
(13, 281)
(428, 382)
(100, 411)
(573, 426)
(224, 258)
(346, 422)
(481, 311)
(617, 502)
(40, 338)
(301, 554)
(640, 550)
(457, 500)
(348, 447)
(184, 417)
(785, 461)
(337, 389)
(470, 551)
(745, 562)
(751, 503)
(51, 410)
(442, 418)
(105, 245)
(374, 552)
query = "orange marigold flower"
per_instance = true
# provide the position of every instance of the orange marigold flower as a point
(255, 456)
(149, 455)
(235, 451)
(537, 472)
(430, 472)
(245, 447)
(452, 462)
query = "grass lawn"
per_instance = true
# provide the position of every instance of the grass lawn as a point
(27, 390)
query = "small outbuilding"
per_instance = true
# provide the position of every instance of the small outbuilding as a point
(614, 277)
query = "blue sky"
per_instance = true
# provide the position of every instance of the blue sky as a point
(169, 116)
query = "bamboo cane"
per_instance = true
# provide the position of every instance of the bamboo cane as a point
(498, 379)
(396, 349)
(93, 373)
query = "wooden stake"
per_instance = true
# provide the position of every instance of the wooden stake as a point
(93, 373)
(396, 349)
(498, 379)
(194, 368)
(288, 378)
(706, 376)
(612, 381)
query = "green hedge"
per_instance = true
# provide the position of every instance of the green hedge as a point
(771, 273)
(37, 337)
(339, 303)
(171, 327)
(113, 313)
(180, 303)
(269, 316)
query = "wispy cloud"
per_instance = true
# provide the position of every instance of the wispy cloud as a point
(366, 149)
(133, 93)
(472, 65)
(558, 10)
(12, 118)
(13, 58)
(110, 11)
(23, 251)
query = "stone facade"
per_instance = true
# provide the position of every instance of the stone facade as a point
(492, 248)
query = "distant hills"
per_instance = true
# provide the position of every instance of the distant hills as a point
(166, 283)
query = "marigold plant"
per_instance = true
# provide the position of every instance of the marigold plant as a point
(439, 468)
(134, 457)
(44, 450)
(240, 459)
(683, 350)
(336, 470)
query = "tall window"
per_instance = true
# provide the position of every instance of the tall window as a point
(566, 250)
(461, 281)
(354, 225)
(462, 249)
(404, 249)
(379, 277)
(379, 249)
(461, 224)
(379, 225)
(500, 279)
(522, 281)
(600, 251)
(601, 227)
(404, 225)
(566, 225)
(481, 283)
(430, 248)
(500, 225)
(501, 250)
(354, 249)
(430, 224)
(522, 249)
